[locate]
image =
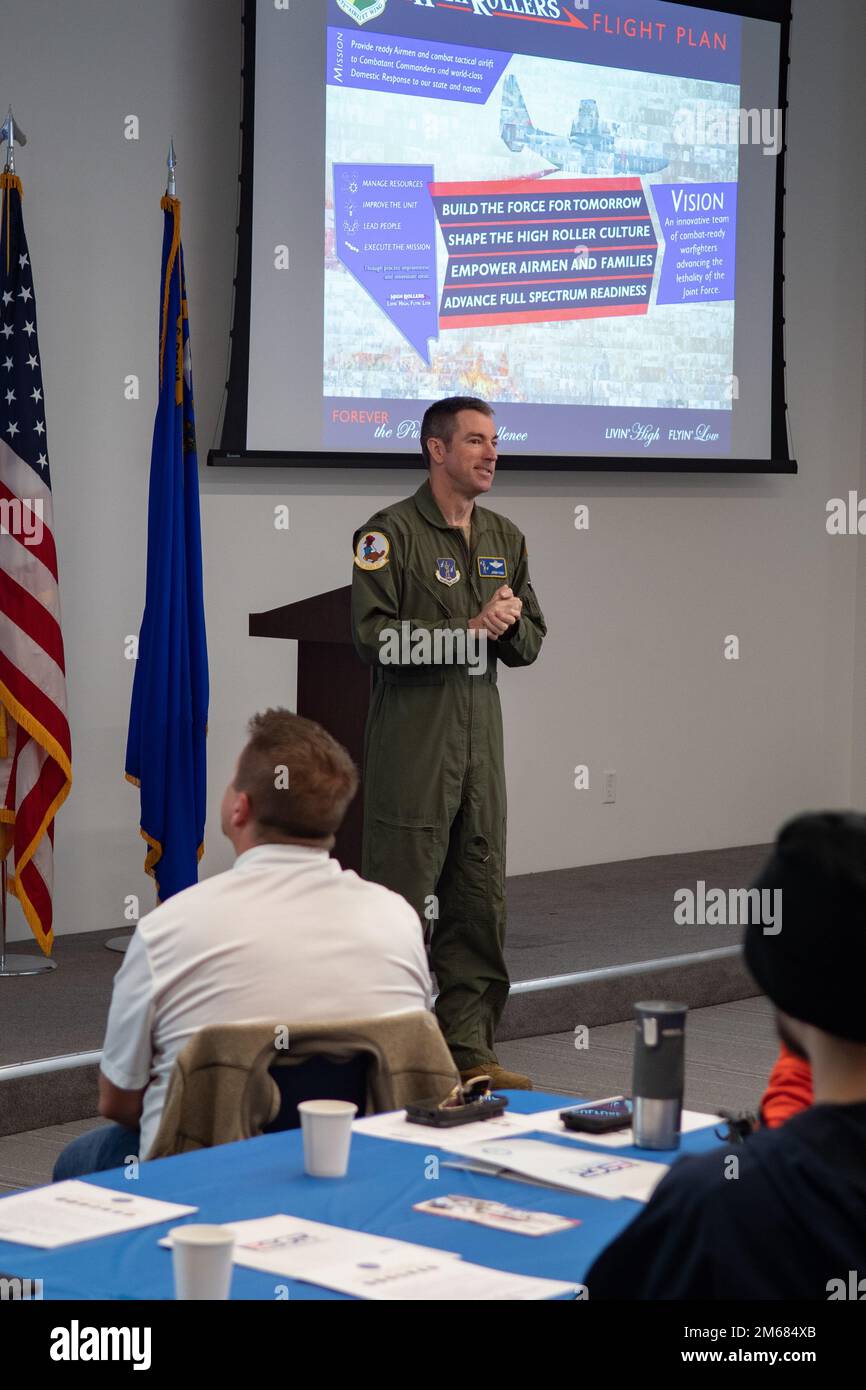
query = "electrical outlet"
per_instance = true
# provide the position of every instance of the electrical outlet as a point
(609, 786)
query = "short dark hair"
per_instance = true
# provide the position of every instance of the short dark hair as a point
(298, 778)
(440, 419)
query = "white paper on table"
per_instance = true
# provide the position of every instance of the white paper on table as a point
(394, 1125)
(373, 1267)
(599, 1175)
(548, 1122)
(71, 1211)
(395, 1277)
(297, 1248)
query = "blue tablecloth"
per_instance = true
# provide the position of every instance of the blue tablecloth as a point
(263, 1176)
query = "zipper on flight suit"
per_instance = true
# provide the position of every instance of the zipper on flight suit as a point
(467, 545)
(441, 602)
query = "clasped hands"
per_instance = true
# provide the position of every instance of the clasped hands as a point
(498, 614)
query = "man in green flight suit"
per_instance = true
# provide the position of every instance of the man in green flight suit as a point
(440, 596)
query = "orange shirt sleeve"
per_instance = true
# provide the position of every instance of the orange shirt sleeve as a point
(789, 1089)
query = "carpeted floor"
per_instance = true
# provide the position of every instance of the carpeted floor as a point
(730, 1049)
(27, 1160)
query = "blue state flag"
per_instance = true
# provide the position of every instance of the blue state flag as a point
(165, 752)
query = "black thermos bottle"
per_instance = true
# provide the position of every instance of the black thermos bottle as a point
(659, 1068)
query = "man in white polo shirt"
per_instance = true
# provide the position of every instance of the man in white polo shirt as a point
(284, 934)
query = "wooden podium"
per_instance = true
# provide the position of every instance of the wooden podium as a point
(333, 685)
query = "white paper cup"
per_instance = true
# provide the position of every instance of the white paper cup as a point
(327, 1127)
(202, 1261)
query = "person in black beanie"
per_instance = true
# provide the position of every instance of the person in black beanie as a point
(788, 1221)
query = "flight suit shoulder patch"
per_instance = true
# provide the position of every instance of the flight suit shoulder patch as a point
(372, 551)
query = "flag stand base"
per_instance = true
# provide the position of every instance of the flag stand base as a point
(25, 965)
(118, 943)
(17, 965)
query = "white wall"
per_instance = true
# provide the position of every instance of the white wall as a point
(708, 753)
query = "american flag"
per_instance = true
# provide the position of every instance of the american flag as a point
(35, 749)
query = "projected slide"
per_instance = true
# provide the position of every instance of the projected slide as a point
(524, 211)
(571, 208)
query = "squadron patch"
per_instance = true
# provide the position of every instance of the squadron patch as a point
(446, 570)
(492, 567)
(362, 11)
(372, 551)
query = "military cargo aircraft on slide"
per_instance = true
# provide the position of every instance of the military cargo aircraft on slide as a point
(593, 146)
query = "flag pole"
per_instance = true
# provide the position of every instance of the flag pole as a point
(10, 132)
(15, 964)
(171, 161)
(121, 943)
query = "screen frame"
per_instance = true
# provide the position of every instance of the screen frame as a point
(232, 451)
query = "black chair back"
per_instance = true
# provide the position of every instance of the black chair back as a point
(318, 1078)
